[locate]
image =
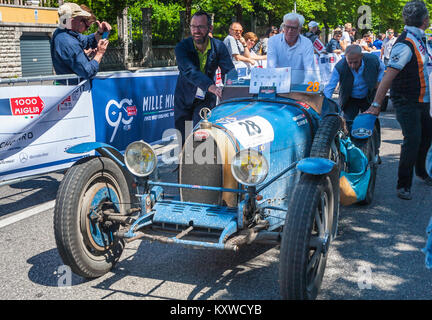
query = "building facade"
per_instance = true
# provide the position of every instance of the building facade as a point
(25, 32)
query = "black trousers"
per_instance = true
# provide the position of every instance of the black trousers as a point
(353, 107)
(416, 125)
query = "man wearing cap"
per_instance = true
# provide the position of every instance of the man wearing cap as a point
(313, 32)
(68, 43)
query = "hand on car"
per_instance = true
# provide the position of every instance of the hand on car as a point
(216, 91)
(373, 110)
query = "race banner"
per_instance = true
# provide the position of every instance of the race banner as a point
(327, 62)
(38, 123)
(130, 107)
(318, 46)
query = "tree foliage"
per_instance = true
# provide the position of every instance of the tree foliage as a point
(329, 13)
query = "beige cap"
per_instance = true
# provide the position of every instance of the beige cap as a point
(73, 10)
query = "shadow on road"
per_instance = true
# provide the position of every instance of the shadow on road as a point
(24, 195)
(383, 241)
(236, 275)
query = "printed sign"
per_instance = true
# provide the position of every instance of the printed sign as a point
(26, 106)
(251, 132)
(318, 46)
(270, 77)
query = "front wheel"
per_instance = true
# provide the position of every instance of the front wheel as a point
(86, 241)
(306, 238)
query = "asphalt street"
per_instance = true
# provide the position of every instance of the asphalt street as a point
(377, 254)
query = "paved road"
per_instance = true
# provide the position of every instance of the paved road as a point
(376, 255)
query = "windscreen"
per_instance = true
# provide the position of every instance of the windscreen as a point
(283, 80)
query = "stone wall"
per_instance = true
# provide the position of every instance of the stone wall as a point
(10, 62)
(10, 52)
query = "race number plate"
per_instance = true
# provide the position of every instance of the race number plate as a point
(252, 132)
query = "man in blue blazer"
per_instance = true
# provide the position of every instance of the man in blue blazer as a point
(198, 58)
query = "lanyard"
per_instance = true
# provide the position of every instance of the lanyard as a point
(422, 46)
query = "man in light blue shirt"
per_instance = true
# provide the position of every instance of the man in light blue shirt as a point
(358, 75)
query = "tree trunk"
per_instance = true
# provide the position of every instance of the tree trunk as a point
(188, 13)
(239, 14)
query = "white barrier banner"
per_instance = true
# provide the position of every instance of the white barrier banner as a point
(38, 123)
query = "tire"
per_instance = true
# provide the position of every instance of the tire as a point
(89, 246)
(306, 238)
(326, 145)
(311, 221)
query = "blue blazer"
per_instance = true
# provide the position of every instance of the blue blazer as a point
(191, 77)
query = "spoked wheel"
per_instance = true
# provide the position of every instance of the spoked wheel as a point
(85, 240)
(306, 238)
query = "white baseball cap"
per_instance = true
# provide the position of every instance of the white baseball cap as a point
(73, 10)
(313, 24)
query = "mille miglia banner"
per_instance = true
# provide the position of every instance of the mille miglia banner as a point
(38, 123)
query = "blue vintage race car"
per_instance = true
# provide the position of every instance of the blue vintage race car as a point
(261, 167)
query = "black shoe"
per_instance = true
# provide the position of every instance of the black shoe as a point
(404, 193)
(379, 160)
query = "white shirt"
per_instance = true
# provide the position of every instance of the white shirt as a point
(346, 37)
(388, 45)
(234, 46)
(299, 57)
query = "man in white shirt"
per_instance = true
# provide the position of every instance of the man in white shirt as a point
(346, 38)
(387, 46)
(236, 44)
(291, 49)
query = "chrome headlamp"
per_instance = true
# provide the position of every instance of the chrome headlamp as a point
(249, 167)
(140, 159)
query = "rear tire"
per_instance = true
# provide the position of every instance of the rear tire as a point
(86, 245)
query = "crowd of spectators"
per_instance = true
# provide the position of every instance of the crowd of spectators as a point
(252, 49)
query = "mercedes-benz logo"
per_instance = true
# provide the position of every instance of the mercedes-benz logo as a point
(23, 157)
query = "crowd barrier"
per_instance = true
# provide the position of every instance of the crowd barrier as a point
(39, 122)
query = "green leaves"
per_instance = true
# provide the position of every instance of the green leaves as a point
(331, 13)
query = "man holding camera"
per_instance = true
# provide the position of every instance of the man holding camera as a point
(68, 43)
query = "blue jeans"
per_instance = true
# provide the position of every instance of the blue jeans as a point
(416, 125)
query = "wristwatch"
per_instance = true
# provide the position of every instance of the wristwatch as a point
(375, 105)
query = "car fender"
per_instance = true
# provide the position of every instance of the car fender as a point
(315, 166)
(103, 149)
